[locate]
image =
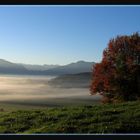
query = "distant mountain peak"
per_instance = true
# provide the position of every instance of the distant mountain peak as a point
(81, 61)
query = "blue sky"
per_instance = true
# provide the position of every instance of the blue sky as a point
(62, 34)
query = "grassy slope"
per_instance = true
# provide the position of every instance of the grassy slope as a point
(109, 118)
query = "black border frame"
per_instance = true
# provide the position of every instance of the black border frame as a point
(69, 2)
(70, 136)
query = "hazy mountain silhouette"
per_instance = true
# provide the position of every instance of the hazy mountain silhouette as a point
(72, 68)
(7, 67)
(11, 68)
(39, 67)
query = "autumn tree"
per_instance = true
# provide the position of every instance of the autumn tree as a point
(117, 76)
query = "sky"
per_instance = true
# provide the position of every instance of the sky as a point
(62, 34)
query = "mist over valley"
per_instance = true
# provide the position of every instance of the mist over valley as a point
(50, 85)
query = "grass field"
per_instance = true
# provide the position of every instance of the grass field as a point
(109, 118)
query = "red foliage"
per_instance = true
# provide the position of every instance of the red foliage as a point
(119, 69)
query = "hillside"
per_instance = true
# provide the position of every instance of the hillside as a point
(80, 80)
(109, 118)
(7, 67)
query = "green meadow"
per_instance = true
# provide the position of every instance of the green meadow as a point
(94, 119)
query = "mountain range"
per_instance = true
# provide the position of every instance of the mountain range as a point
(39, 67)
(7, 67)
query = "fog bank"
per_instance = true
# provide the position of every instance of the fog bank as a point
(37, 88)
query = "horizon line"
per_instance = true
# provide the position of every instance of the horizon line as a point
(46, 63)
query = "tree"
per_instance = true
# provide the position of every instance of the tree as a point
(117, 76)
